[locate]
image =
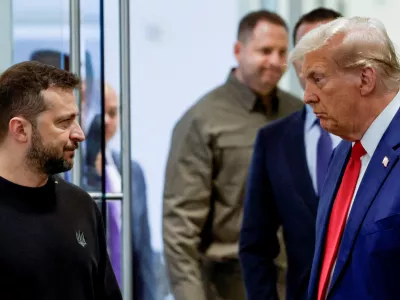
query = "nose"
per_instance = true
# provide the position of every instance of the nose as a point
(277, 60)
(309, 97)
(106, 119)
(77, 134)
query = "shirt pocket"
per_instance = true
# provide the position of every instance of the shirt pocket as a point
(233, 155)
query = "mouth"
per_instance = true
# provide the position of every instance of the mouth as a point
(71, 149)
(319, 115)
(274, 73)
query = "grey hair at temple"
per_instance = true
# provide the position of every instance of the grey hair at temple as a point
(355, 42)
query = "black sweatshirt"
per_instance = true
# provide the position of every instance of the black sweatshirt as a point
(52, 244)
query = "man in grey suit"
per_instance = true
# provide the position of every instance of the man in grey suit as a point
(210, 153)
(144, 279)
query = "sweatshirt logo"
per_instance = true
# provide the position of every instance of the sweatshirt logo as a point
(80, 237)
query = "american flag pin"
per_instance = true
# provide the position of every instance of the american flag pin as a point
(385, 161)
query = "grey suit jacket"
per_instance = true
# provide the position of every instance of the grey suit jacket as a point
(144, 278)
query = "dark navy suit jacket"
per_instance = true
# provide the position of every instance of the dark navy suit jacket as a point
(279, 192)
(368, 261)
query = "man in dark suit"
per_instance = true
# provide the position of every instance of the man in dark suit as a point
(144, 280)
(352, 75)
(289, 164)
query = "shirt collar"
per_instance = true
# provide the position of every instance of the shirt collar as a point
(374, 133)
(250, 100)
(109, 157)
(310, 118)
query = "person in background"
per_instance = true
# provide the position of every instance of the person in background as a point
(208, 162)
(352, 79)
(52, 236)
(144, 279)
(289, 164)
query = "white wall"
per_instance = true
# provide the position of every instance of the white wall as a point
(179, 50)
(386, 11)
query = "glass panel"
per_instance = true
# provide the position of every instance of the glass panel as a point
(103, 165)
(179, 51)
(40, 30)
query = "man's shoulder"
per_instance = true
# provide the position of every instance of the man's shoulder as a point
(282, 125)
(209, 101)
(203, 113)
(72, 191)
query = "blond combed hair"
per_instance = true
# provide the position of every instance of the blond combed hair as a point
(363, 42)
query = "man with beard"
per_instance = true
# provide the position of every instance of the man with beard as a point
(51, 232)
(208, 163)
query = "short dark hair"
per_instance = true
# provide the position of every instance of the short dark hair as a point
(250, 21)
(20, 90)
(316, 15)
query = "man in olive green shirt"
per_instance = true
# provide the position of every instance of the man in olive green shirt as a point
(210, 153)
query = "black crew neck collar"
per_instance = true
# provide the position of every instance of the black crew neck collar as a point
(30, 198)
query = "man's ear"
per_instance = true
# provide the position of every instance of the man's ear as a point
(368, 80)
(20, 129)
(237, 50)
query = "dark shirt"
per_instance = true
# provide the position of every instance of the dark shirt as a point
(52, 244)
(208, 163)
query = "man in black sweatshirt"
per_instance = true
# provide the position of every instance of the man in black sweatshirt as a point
(52, 243)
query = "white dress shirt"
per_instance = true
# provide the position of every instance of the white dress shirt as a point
(311, 136)
(113, 174)
(114, 179)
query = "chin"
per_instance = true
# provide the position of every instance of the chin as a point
(326, 124)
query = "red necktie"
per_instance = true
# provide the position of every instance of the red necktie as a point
(338, 216)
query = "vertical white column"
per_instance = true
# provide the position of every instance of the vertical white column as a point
(125, 95)
(283, 8)
(6, 35)
(75, 67)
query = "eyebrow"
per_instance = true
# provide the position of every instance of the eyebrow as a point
(67, 117)
(310, 74)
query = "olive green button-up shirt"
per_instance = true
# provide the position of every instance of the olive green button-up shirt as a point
(205, 179)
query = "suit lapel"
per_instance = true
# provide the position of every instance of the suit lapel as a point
(328, 195)
(371, 183)
(294, 146)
